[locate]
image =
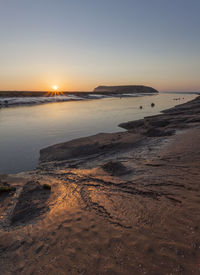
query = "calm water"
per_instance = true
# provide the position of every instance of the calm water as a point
(25, 130)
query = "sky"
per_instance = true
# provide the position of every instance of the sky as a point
(80, 44)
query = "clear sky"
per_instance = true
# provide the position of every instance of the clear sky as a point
(79, 44)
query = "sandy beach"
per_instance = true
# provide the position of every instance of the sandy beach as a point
(120, 203)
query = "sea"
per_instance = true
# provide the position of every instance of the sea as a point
(30, 124)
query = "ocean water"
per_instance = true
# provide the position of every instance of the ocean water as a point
(24, 130)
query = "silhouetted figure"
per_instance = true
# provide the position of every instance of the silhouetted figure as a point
(152, 104)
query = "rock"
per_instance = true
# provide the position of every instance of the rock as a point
(92, 145)
(124, 89)
(31, 203)
(131, 125)
(156, 132)
(115, 168)
(6, 189)
(158, 122)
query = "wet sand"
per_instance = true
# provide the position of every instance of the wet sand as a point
(122, 203)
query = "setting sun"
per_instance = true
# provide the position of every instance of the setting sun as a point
(55, 87)
(55, 92)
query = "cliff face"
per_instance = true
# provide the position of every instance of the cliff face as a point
(124, 89)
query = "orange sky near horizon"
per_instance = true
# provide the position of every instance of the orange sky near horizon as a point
(83, 85)
(87, 77)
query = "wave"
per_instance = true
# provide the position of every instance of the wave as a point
(19, 101)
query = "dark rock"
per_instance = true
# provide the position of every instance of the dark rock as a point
(115, 168)
(193, 119)
(6, 188)
(46, 186)
(156, 132)
(130, 125)
(31, 203)
(124, 89)
(158, 122)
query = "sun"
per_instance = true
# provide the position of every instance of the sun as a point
(55, 87)
(55, 92)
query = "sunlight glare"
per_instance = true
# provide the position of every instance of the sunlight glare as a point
(55, 87)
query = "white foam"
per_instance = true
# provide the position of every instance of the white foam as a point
(11, 101)
(14, 101)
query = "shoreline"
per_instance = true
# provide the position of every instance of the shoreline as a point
(102, 90)
(120, 110)
(119, 203)
(160, 125)
(19, 101)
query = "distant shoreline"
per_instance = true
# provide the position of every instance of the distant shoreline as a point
(39, 93)
(30, 99)
(103, 90)
(5, 94)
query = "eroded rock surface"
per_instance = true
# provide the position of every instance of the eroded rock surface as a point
(31, 203)
(99, 219)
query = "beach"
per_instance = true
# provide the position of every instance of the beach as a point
(112, 203)
(99, 137)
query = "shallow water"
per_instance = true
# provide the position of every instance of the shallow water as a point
(25, 130)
